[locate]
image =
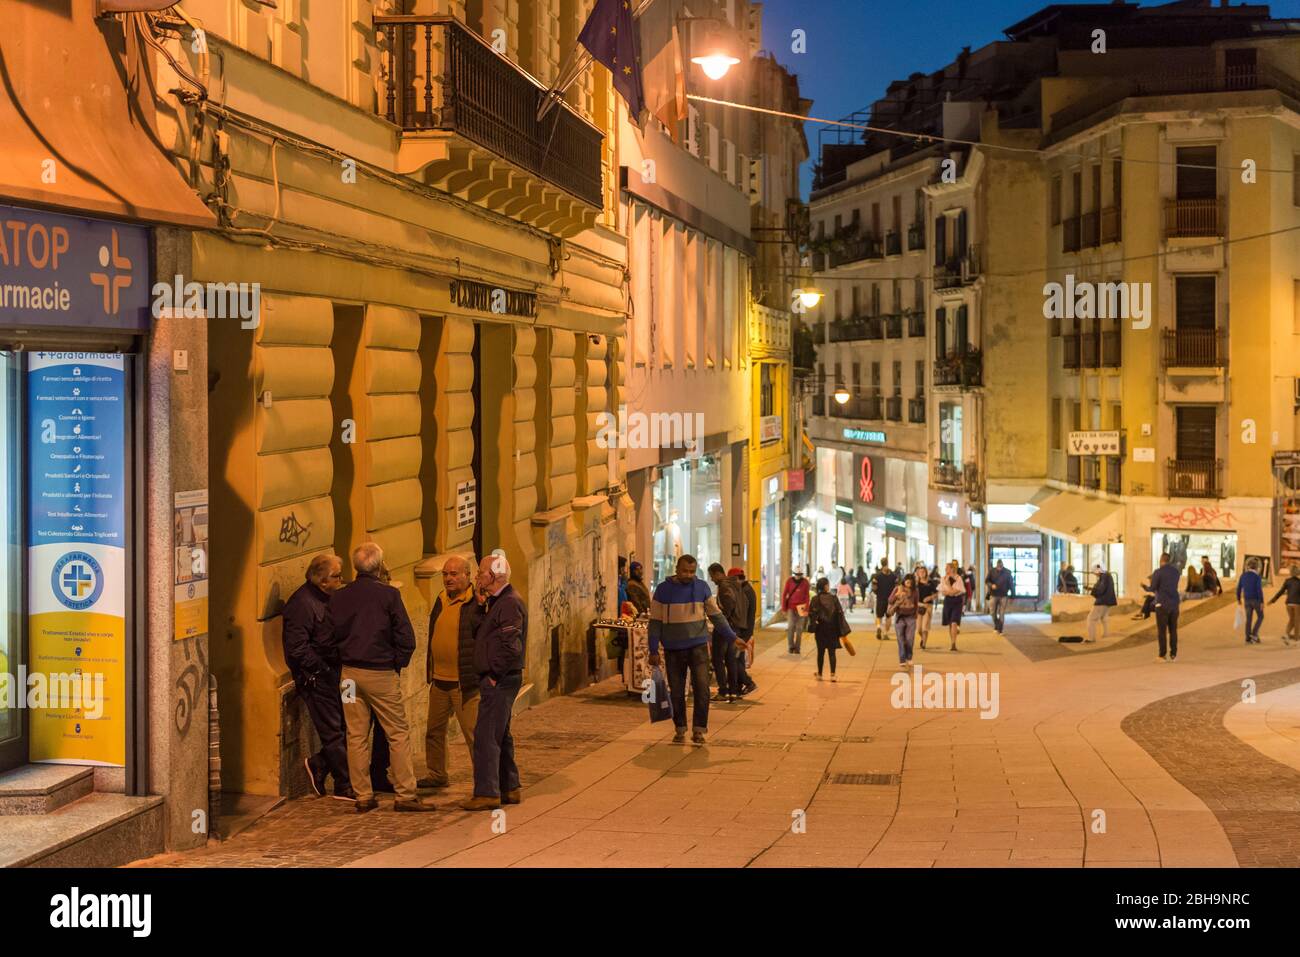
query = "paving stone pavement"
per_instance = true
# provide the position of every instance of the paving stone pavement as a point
(820, 773)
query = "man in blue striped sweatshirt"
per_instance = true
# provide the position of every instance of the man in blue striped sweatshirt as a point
(678, 611)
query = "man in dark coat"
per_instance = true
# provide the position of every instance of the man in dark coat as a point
(883, 583)
(746, 632)
(313, 663)
(368, 624)
(732, 603)
(499, 661)
(449, 668)
(1164, 588)
(1103, 600)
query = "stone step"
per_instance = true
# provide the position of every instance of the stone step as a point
(100, 830)
(42, 788)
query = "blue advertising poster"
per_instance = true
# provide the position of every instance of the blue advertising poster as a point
(58, 270)
(76, 549)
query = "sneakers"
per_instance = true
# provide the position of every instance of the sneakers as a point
(697, 737)
(432, 782)
(344, 794)
(833, 678)
(364, 806)
(315, 775)
(1173, 657)
(1161, 658)
(818, 674)
(415, 805)
(679, 736)
(732, 698)
(478, 803)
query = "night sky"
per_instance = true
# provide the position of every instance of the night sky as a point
(856, 47)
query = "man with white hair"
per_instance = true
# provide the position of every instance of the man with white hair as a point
(369, 625)
(499, 661)
(449, 668)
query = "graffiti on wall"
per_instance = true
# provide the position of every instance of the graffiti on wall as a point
(192, 679)
(1198, 516)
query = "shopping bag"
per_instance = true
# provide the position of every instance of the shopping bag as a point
(1239, 619)
(656, 696)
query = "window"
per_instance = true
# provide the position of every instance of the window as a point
(875, 298)
(940, 240)
(766, 389)
(1076, 415)
(1056, 200)
(1076, 194)
(1096, 186)
(1197, 177)
(920, 378)
(1117, 182)
(918, 295)
(839, 312)
(959, 236)
(1196, 426)
(1057, 438)
(961, 332)
(875, 378)
(857, 378)
(857, 306)
(898, 297)
(898, 214)
(941, 331)
(875, 219)
(950, 438)
(898, 377)
(1194, 302)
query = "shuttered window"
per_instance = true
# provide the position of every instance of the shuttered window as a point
(1196, 428)
(1195, 180)
(1194, 302)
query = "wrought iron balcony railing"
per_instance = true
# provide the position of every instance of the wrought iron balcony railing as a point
(893, 243)
(947, 474)
(857, 329)
(1193, 218)
(916, 324)
(960, 270)
(894, 408)
(1195, 348)
(856, 250)
(916, 410)
(1110, 225)
(441, 76)
(1195, 478)
(915, 237)
(894, 327)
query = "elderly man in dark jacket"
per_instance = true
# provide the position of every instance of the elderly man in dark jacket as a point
(1103, 600)
(449, 668)
(369, 625)
(499, 662)
(1164, 588)
(313, 663)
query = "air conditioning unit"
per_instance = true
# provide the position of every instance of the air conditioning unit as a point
(1183, 482)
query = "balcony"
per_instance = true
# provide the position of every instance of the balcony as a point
(894, 327)
(1194, 348)
(948, 475)
(1195, 478)
(915, 237)
(893, 243)
(1090, 230)
(1193, 218)
(1110, 225)
(857, 329)
(856, 250)
(1071, 234)
(916, 324)
(860, 408)
(894, 408)
(1084, 471)
(916, 410)
(964, 369)
(958, 271)
(462, 107)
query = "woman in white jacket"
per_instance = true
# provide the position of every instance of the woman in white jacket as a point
(952, 589)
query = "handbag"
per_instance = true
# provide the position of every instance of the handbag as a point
(848, 645)
(656, 696)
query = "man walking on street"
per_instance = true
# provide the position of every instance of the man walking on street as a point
(1001, 587)
(1103, 600)
(1164, 586)
(1291, 588)
(1250, 592)
(449, 669)
(746, 631)
(677, 621)
(883, 583)
(368, 624)
(732, 605)
(313, 663)
(499, 662)
(794, 602)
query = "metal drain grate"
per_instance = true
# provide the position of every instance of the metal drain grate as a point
(836, 738)
(878, 779)
(728, 743)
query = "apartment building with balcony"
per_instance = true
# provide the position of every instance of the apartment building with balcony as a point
(442, 305)
(1188, 358)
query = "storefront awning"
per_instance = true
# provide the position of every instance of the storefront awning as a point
(1088, 521)
(74, 138)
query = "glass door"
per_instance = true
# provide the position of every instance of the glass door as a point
(13, 716)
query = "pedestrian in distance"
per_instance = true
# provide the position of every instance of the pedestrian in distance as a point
(927, 590)
(1210, 577)
(904, 607)
(449, 669)
(844, 592)
(746, 632)
(1066, 582)
(952, 591)
(1164, 588)
(883, 583)
(863, 582)
(794, 602)
(637, 592)
(827, 623)
(1291, 588)
(368, 624)
(731, 602)
(1103, 600)
(679, 610)
(1250, 594)
(500, 643)
(1001, 587)
(969, 578)
(313, 664)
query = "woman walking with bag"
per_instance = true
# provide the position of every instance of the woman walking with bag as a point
(827, 623)
(952, 589)
(926, 590)
(905, 606)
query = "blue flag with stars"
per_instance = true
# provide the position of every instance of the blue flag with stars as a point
(611, 37)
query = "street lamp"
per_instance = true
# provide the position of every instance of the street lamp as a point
(842, 394)
(809, 298)
(715, 65)
(717, 48)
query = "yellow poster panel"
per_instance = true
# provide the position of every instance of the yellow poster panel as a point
(79, 655)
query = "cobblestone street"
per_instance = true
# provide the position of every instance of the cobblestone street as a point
(1097, 757)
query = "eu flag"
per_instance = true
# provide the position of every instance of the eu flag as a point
(611, 37)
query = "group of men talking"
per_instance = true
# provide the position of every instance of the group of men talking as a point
(346, 647)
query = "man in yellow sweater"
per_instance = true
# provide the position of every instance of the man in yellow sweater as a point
(449, 668)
